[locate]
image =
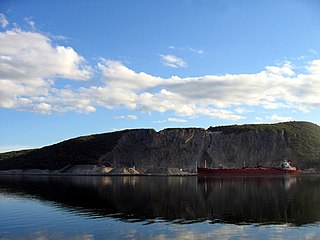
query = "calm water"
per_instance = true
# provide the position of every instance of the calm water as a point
(34, 207)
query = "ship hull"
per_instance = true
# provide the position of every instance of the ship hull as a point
(244, 171)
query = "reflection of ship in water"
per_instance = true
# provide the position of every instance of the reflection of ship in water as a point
(261, 200)
(284, 168)
(289, 182)
(257, 199)
(286, 182)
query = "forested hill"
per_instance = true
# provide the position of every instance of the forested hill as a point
(81, 150)
(229, 146)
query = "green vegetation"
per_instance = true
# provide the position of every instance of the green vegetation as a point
(15, 154)
(81, 150)
(303, 138)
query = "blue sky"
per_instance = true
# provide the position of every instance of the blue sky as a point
(71, 68)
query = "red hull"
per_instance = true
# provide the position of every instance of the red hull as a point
(244, 171)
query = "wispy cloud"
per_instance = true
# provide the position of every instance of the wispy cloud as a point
(171, 120)
(313, 51)
(3, 21)
(177, 120)
(190, 49)
(30, 22)
(242, 110)
(198, 51)
(127, 117)
(173, 61)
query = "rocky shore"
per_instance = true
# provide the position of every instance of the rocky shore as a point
(95, 170)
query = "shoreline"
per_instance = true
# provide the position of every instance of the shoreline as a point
(95, 170)
(95, 175)
(303, 173)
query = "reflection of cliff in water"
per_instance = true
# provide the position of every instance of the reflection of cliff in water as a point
(182, 199)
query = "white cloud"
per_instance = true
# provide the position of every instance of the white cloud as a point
(211, 95)
(31, 65)
(177, 120)
(160, 121)
(120, 117)
(32, 55)
(118, 76)
(29, 68)
(3, 21)
(241, 110)
(285, 69)
(132, 117)
(173, 61)
(127, 117)
(277, 118)
(314, 67)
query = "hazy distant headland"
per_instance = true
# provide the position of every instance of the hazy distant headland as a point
(174, 151)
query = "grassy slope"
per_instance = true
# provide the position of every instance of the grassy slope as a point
(303, 138)
(81, 150)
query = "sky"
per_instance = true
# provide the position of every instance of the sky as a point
(74, 68)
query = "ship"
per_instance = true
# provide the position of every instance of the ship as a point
(284, 168)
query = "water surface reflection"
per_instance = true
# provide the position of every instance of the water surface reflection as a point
(238, 200)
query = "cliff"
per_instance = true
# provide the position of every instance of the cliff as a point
(229, 146)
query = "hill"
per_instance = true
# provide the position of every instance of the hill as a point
(183, 148)
(81, 150)
(302, 138)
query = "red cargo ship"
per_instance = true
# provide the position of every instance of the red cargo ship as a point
(284, 168)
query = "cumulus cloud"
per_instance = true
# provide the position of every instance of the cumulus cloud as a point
(118, 76)
(3, 21)
(222, 97)
(173, 61)
(31, 66)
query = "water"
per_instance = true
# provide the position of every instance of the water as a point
(42, 207)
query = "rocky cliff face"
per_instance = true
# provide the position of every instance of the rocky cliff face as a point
(248, 148)
(184, 148)
(147, 148)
